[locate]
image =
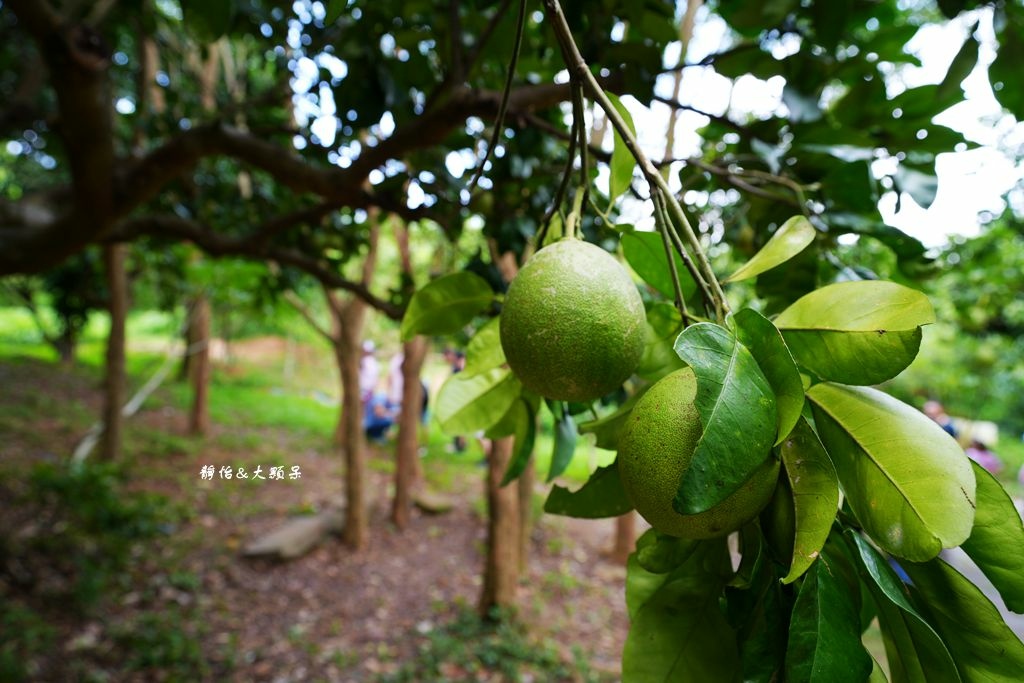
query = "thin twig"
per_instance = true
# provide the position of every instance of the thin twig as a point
(581, 131)
(659, 219)
(499, 123)
(560, 193)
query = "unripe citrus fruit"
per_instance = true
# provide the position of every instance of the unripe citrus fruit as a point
(655, 449)
(572, 326)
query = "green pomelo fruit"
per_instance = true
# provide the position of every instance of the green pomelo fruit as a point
(655, 449)
(572, 326)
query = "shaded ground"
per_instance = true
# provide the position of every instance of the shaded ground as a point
(185, 606)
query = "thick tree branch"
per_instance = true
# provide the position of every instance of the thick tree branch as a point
(299, 305)
(219, 245)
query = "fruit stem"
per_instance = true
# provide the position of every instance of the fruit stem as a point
(663, 228)
(578, 67)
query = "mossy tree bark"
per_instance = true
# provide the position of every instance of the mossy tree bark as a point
(504, 539)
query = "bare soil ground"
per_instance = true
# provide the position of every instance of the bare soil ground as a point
(333, 615)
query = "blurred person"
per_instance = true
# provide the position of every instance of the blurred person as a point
(369, 372)
(978, 452)
(378, 416)
(937, 413)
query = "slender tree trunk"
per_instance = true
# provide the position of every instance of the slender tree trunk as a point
(625, 537)
(115, 379)
(501, 567)
(65, 346)
(349, 322)
(525, 484)
(407, 450)
(199, 416)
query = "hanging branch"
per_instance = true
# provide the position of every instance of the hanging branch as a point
(499, 122)
(578, 66)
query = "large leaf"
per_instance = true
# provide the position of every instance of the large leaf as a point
(602, 496)
(660, 553)
(664, 323)
(678, 633)
(788, 241)
(983, 646)
(469, 404)
(645, 253)
(861, 332)
(623, 162)
(525, 430)
(769, 349)
(824, 631)
(996, 543)
(484, 350)
(812, 479)
(737, 412)
(907, 480)
(914, 650)
(446, 305)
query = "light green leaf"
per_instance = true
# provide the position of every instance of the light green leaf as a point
(737, 411)
(877, 675)
(525, 431)
(812, 479)
(446, 305)
(677, 631)
(769, 349)
(602, 496)
(861, 332)
(645, 253)
(469, 404)
(623, 162)
(824, 631)
(664, 323)
(788, 241)
(996, 543)
(484, 350)
(983, 646)
(907, 480)
(914, 650)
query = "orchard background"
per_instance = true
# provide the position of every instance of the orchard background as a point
(208, 208)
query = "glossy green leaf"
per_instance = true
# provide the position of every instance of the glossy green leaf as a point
(678, 633)
(907, 480)
(664, 323)
(607, 428)
(640, 585)
(788, 241)
(737, 411)
(623, 162)
(769, 349)
(469, 404)
(984, 647)
(334, 10)
(862, 332)
(446, 305)
(660, 553)
(996, 543)
(602, 496)
(525, 431)
(484, 350)
(645, 253)
(815, 487)
(824, 631)
(565, 440)
(913, 649)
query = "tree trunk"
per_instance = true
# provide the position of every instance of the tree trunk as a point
(625, 537)
(407, 449)
(348, 324)
(65, 346)
(501, 568)
(525, 484)
(199, 416)
(115, 380)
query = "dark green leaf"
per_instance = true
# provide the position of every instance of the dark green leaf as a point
(623, 162)
(788, 241)
(660, 553)
(334, 10)
(983, 646)
(645, 253)
(769, 349)
(602, 496)
(907, 480)
(862, 332)
(996, 542)
(208, 20)
(824, 632)
(1004, 71)
(915, 652)
(812, 479)
(664, 323)
(922, 187)
(737, 412)
(565, 441)
(525, 433)
(960, 68)
(446, 305)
